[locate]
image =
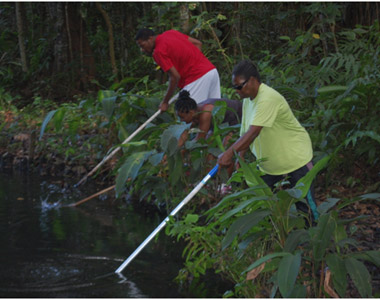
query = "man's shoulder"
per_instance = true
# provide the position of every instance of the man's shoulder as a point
(172, 33)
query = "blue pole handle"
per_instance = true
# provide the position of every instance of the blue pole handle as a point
(214, 170)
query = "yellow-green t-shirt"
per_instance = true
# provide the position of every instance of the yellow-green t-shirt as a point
(283, 142)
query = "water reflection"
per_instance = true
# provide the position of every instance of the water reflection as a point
(49, 250)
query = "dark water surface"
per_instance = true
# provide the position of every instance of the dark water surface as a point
(47, 250)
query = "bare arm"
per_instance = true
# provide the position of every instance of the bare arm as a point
(196, 43)
(205, 121)
(173, 82)
(241, 145)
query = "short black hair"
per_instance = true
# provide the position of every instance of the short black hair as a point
(246, 68)
(144, 34)
(185, 103)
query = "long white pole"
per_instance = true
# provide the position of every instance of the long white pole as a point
(164, 222)
(128, 139)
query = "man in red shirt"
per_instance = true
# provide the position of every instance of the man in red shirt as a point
(181, 57)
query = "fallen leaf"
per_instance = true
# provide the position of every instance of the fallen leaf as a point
(251, 275)
(329, 290)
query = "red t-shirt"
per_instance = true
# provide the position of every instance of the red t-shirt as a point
(173, 48)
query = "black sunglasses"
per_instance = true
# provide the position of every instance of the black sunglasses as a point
(239, 87)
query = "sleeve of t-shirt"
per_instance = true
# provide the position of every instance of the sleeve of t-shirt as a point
(265, 112)
(162, 58)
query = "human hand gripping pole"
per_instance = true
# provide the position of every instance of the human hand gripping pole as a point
(128, 139)
(164, 222)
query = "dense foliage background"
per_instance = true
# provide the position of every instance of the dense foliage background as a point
(73, 84)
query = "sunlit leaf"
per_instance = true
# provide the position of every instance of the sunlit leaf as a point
(191, 218)
(332, 89)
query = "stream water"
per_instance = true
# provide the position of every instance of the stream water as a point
(48, 250)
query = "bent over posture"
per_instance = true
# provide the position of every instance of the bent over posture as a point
(201, 114)
(181, 57)
(272, 132)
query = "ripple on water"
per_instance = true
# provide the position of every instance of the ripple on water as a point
(66, 276)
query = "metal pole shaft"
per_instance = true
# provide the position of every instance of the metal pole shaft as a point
(128, 139)
(164, 222)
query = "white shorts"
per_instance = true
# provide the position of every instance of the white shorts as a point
(208, 86)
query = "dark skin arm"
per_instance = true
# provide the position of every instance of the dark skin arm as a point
(240, 146)
(204, 121)
(173, 82)
(196, 43)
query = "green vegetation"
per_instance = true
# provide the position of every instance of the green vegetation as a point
(327, 68)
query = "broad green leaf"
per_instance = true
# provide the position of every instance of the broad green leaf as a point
(296, 238)
(242, 225)
(175, 168)
(305, 182)
(360, 276)
(191, 218)
(241, 206)
(130, 169)
(287, 273)
(105, 94)
(374, 196)
(338, 273)
(327, 204)
(108, 105)
(155, 159)
(264, 259)
(299, 291)
(340, 233)
(252, 177)
(322, 239)
(46, 121)
(238, 195)
(219, 111)
(372, 256)
(123, 134)
(172, 135)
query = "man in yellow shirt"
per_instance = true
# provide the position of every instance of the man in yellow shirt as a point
(269, 128)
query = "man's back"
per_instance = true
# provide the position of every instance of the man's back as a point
(173, 48)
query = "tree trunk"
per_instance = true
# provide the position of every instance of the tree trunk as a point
(110, 39)
(184, 17)
(21, 41)
(83, 60)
